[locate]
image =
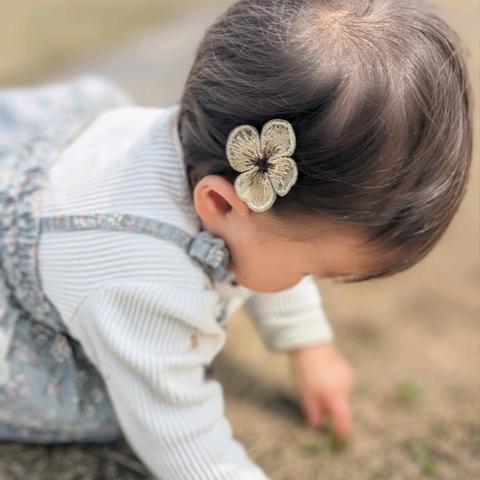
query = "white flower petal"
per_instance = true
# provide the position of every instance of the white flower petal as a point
(277, 139)
(255, 188)
(283, 174)
(243, 147)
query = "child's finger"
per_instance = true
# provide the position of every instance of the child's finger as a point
(312, 411)
(341, 417)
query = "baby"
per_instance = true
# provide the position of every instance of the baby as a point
(313, 138)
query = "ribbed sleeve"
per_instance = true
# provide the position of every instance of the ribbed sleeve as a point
(151, 343)
(292, 318)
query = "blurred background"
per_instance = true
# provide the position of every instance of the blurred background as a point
(414, 339)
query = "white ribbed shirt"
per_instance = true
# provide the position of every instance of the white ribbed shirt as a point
(143, 310)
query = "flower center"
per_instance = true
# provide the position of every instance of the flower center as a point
(262, 165)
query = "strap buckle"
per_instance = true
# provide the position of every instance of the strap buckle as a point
(212, 253)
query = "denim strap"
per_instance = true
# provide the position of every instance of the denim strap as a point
(209, 251)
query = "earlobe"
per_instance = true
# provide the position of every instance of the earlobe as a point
(215, 197)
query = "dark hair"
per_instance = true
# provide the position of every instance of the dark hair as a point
(378, 95)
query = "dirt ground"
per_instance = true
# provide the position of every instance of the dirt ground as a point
(414, 339)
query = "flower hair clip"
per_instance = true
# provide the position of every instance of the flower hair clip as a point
(264, 162)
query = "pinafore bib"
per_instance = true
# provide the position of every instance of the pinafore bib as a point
(49, 390)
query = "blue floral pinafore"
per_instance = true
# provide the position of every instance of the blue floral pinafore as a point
(49, 391)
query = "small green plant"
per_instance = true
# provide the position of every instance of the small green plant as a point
(337, 445)
(314, 446)
(408, 394)
(324, 441)
(422, 456)
(373, 476)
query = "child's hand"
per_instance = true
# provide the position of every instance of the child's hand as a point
(324, 382)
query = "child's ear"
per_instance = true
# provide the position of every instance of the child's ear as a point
(214, 197)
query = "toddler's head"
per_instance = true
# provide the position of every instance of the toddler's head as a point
(378, 97)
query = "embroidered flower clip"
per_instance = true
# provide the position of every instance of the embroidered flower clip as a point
(264, 162)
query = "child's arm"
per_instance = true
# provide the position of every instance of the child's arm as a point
(293, 320)
(324, 382)
(151, 342)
